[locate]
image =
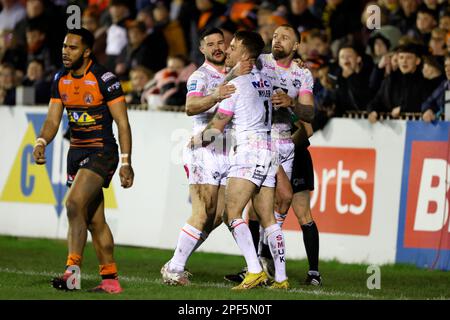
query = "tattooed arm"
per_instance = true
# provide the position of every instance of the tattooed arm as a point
(303, 107)
(214, 128)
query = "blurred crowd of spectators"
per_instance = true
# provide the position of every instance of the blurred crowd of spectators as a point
(399, 67)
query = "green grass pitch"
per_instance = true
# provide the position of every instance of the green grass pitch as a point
(27, 265)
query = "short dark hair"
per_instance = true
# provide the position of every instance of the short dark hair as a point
(297, 34)
(87, 38)
(252, 41)
(209, 32)
(409, 48)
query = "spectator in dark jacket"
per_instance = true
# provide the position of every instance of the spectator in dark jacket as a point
(403, 90)
(352, 90)
(301, 18)
(433, 107)
(35, 78)
(139, 51)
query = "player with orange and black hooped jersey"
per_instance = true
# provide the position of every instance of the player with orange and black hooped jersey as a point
(86, 99)
(93, 98)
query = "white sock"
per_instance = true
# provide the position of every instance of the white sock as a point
(276, 243)
(280, 217)
(262, 239)
(187, 242)
(203, 238)
(243, 237)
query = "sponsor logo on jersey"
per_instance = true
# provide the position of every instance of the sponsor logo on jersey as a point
(193, 85)
(107, 76)
(88, 98)
(114, 86)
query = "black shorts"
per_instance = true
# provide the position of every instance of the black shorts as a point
(103, 162)
(302, 171)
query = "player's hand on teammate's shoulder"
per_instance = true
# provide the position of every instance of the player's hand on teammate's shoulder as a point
(223, 91)
(39, 152)
(126, 174)
(244, 67)
(280, 99)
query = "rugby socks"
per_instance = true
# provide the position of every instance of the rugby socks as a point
(264, 250)
(108, 271)
(243, 237)
(253, 225)
(280, 217)
(187, 241)
(73, 259)
(311, 240)
(203, 238)
(276, 243)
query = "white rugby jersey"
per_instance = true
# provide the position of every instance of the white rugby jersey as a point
(201, 83)
(292, 79)
(250, 105)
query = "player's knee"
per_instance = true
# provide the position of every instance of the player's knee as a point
(73, 208)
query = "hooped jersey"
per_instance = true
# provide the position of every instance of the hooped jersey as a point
(87, 100)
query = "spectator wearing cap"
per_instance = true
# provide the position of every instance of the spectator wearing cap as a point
(139, 51)
(300, 17)
(11, 14)
(426, 21)
(433, 107)
(91, 21)
(403, 90)
(383, 40)
(171, 29)
(116, 35)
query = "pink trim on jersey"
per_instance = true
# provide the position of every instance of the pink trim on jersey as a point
(220, 70)
(284, 66)
(195, 94)
(306, 91)
(227, 112)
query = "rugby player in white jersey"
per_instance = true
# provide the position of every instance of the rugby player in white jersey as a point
(292, 100)
(206, 168)
(252, 172)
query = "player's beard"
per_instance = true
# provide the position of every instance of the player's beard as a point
(216, 62)
(279, 54)
(76, 64)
